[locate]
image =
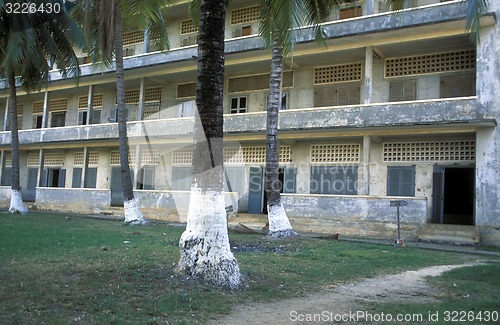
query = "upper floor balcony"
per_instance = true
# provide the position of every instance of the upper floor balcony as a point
(446, 114)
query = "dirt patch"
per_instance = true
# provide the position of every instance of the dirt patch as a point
(407, 287)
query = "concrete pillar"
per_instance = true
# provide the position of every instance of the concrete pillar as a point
(369, 7)
(137, 165)
(368, 79)
(140, 108)
(46, 104)
(6, 116)
(147, 37)
(39, 177)
(85, 167)
(90, 105)
(2, 162)
(365, 185)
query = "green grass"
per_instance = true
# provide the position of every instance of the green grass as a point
(73, 270)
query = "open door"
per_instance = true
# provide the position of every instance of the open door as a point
(453, 195)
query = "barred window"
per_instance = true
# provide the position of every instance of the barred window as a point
(335, 153)
(245, 15)
(337, 73)
(430, 63)
(430, 151)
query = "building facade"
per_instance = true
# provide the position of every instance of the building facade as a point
(394, 107)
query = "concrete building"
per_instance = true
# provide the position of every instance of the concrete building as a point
(395, 107)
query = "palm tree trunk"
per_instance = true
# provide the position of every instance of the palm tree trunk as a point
(279, 225)
(131, 209)
(204, 246)
(16, 200)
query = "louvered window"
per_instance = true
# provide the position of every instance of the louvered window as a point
(337, 95)
(257, 82)
(403, 90)
(457, 86)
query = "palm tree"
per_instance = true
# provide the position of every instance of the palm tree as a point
(279, 18)
(28, 41)
(104, 20)
(204, 245)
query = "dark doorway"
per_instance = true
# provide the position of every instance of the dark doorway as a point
(454, 195)
(257, 198)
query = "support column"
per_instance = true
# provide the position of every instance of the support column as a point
(90, 106)
(368, 78)
(6, 116)
(369, 7)
(137, 165)
(85, 167)
(2, 163)
(46, 104)
(140, 108)
(39, 176)
(365, 186)
(147, 38)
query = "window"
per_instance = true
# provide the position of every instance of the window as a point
(96, 117)
(181, 178)
(239, 105)
(91, 178)
(57, 119)
(458, 86)
(146, 178)
(37, 121)
(242, 31)
(403, 90)
(337, 96)
(401, 181)
(352, 12)
(54, 177)
(186, 109)
(6, 177)
(339, 180)
(284, 101)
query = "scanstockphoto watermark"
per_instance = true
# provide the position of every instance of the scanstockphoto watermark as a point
(355, 316)
(461, 316)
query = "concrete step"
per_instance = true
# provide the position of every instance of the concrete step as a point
(455, 234)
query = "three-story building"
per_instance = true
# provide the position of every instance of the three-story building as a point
(394, 107)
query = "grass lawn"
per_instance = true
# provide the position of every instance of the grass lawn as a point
(73, 270)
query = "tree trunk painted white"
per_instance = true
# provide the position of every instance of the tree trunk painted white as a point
(205, 249)
(133, 215)
(16, 203)
(279, 225)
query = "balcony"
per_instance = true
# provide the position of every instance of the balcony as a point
(441, 113)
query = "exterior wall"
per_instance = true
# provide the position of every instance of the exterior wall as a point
(74, 200)
(355, 215)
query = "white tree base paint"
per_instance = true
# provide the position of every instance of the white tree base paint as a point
(16, 203)
(279, 225)
(204, 245)
(133, 215)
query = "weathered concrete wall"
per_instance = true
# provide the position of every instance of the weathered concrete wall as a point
(72, 200)
(488, 139)
(355, 215)
(5, 196)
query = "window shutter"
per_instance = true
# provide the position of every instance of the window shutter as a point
(61, 181)
(289, 180)
(91, 178)
(77, 178)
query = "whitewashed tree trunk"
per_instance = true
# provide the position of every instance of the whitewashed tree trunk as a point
(16, 203)
(205, 249)
(279, 225)
(133, 214)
